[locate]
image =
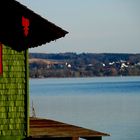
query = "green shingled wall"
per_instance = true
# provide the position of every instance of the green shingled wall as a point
(13, 95)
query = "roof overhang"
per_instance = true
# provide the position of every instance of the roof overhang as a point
(40, 30)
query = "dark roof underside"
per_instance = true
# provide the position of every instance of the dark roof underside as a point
(41, 31)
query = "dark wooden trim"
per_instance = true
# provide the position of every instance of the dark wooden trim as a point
(27, 92)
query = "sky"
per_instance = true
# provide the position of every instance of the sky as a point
(94, 26)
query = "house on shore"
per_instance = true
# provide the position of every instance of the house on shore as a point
(20, 29)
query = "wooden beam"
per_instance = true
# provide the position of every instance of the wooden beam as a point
(75, 138)
(59, 138)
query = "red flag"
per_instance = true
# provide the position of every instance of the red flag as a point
(25, 24)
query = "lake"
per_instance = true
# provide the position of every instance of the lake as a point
(106, 104)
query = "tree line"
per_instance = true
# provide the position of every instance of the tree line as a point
(44, 65)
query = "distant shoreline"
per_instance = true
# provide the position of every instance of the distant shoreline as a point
(83, 65)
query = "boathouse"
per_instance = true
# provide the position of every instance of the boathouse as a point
(21, 29)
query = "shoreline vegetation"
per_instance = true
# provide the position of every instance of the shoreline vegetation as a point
(57, 65)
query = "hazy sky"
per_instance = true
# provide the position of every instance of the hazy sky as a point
(96, 26)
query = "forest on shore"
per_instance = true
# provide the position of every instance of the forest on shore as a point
(43, 65)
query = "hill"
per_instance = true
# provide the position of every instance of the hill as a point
(84, 64)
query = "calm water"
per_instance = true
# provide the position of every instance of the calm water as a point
(110, 105)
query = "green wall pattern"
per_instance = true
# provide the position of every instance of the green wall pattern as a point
(13, 94)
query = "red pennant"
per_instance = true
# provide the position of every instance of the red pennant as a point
(25, 24)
